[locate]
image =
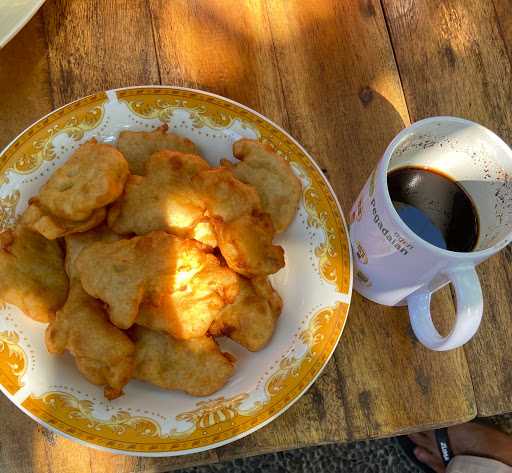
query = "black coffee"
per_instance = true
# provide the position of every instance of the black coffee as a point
(434, 207)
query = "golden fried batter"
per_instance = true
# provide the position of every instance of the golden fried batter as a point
(152, 268)
(196, 366)
(51, 227)
(187, 310)
(246, 244)
(225, 196)
(74, 198)
(138, 146)
(103, 353)
(163, 199)
(251, 319)
(78, 241)
(244, 233)
(93, 177)
(32, 273)
(204, 232)
(273, 178)
(159, 270)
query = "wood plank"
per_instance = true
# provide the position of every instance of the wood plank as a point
(223, 47)
(453, 61)
(342, 91)
(391, 383)
(344, 102)
(98, 45)
(316, 418)
(24, 60)
(504, 18)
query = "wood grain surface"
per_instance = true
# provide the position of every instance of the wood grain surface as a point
(24, 81)
(343, 77)
(453, 61)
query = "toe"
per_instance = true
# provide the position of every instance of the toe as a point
(434, 462)
(425, 440)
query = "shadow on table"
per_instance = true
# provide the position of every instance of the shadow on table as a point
(323, 73)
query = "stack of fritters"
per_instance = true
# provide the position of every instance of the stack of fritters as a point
(162, 254)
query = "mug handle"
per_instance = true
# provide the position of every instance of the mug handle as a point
(469, 303)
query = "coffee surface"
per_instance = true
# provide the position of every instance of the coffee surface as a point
(434, 207)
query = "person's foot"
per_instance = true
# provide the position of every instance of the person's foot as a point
(465, 439)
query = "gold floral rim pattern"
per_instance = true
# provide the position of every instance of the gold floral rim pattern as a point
(14, 361)
(8, 206)
(215, 420)
(35, 145)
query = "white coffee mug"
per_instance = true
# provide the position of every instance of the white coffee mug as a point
(393, 265)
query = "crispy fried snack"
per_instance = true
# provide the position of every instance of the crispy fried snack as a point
(196, 366)
(51, 227)
(164, 199)
(244, 233)
(246, 244)
(32, 273)
(175, 277)
(225, 196)
(138, 146)
(187, 310)
(103, 353)
(93, 177)
(78, 241)
(74, 198)
(204, 232)
(273, 178)
(251, 319)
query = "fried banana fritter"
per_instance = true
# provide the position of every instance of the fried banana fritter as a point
(103, 353)
(32, 274)
(138, 146)
(153, 268)
(78, 241)
(244, 233)
(93, 177)
(159, 270)
(196, 366)
(273, 178)
(204, 232)
(246, 245)
(163, 199)
(74, 198)
(226, 197)
(202, 288)
(51, 227)
(251, 319)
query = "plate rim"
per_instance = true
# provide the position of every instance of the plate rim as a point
(172, 453)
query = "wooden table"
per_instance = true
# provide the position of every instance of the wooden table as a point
(343, 77)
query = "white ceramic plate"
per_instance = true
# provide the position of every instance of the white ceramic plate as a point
(315, 285)
(14, 15)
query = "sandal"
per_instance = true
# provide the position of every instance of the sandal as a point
(443, 444)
